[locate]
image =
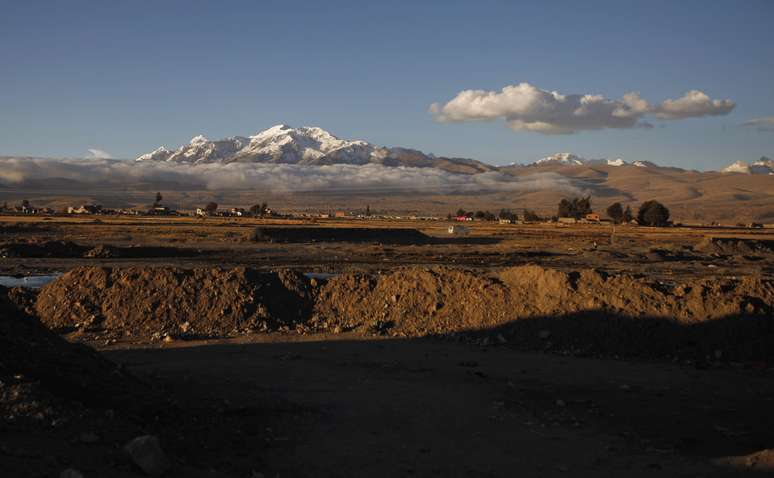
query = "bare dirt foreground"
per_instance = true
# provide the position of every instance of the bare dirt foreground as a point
(525, 351)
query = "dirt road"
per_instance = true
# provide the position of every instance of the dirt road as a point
(349, 407)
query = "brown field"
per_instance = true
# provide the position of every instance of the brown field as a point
(533, 349)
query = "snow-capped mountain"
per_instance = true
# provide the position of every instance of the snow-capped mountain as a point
(571, 159)
(561, 158)
(762, 166)
(307, 145)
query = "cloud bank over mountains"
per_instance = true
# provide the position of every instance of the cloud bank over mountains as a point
(276, 178)
(525, 107)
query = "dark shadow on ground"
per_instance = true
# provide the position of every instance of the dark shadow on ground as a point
(390, 236)
(427, 406)
(744, 337)
(68, 249)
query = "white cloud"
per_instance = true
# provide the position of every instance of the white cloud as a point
(99, 154)
(525, 107)
(272, 177)
(692, 105)
(761, 124)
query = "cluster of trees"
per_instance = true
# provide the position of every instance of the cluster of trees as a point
(482, 215)
(618, 214)
(576, 207)
(531, 216)
(650, 213)
(211, 207)
(653, 213)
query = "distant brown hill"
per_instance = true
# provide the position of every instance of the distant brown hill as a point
(691, 195)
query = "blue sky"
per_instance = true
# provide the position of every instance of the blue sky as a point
(126, 77)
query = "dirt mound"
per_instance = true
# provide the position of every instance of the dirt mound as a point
(584, 311)
(63, 249)
(524, 304)
(155, 302)
(39, 370)
(730, 246)
(412, 301)
(339, 234)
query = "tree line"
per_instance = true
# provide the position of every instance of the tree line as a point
(650, 213)
(527, 215)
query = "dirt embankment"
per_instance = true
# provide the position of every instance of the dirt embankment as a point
(438, 300)
(155, 302)
(577, 312)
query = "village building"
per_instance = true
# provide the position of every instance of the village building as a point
(84, 209)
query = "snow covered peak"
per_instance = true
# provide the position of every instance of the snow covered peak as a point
(575, 160)
(761, 166)
(199, 139)
(561, 158)
(159, 154)
(644, 164)
(737, 167)
(273, 131)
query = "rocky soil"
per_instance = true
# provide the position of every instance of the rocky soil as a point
(584, 312)
(580, 312)
(173, 302)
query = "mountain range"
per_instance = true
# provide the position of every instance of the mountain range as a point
(283, 144)
(306, 146)
(570, 159)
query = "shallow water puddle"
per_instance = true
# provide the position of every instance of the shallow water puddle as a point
(32, 282)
